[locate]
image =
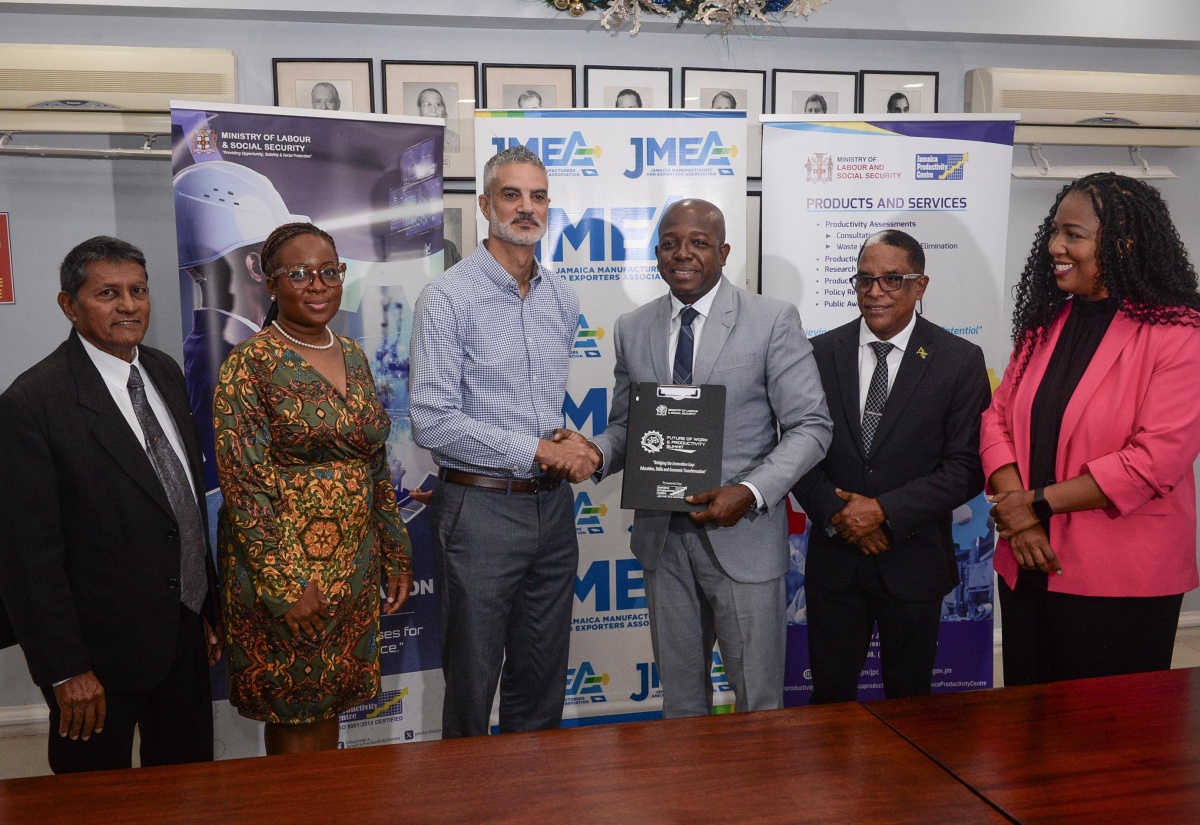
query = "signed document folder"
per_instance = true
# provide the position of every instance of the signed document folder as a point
(674, 445)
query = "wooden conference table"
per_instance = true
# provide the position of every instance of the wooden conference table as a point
(1120, 749)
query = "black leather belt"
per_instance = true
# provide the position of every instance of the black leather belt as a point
(498, 483)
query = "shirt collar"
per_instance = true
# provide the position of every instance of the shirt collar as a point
(112, 369)
(703, 304)
(899, 340)
(498, 275)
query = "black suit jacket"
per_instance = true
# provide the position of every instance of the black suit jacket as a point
(924, 459)
(89, 564)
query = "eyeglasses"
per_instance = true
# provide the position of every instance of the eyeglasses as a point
(888, 283)
(301, 276)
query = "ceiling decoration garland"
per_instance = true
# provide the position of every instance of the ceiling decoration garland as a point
(725, 13)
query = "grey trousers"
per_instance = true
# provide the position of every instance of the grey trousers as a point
(692, 603)
(506, 565)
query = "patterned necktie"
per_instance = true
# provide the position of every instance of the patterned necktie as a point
(876, 393)
(174, 479)
(682, 373)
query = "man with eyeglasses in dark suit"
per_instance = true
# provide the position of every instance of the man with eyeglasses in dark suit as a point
(906, 399)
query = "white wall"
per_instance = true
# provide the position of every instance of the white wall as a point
(56, 203)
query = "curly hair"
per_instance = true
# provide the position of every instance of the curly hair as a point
(1141, 258)
(271, 247)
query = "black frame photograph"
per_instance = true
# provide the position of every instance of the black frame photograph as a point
(885, 92)
(460, 212)
(627, 87)
(516, 86)
(739, 89)
(803, 92)
(449, 90)
(329, 84)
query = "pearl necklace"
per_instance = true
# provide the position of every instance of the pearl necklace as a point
(283, 332)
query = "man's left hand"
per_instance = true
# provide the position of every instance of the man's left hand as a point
(214, 641)
(874, 544)
(726, 505)
(861, 517)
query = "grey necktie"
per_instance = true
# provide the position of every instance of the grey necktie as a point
(876, 393)
(682, 371)
(174, 479)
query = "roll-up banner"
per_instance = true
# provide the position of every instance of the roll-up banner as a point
(373, 182)
(611, 173)
(828, 184)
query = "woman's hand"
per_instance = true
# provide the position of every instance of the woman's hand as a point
(1013, 512)
(398, 585)
(1031, 548)
(307, 617)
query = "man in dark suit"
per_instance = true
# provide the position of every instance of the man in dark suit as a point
(718, 575)
(906, 399)
(104, 566)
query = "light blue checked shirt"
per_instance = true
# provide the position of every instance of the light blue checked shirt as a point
(489, 370)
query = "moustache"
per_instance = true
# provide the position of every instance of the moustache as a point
(526, 217)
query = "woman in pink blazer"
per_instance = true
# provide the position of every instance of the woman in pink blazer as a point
(1089, 442)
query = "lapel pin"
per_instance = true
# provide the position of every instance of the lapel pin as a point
(921, 352)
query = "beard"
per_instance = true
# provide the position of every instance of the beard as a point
(510, 234)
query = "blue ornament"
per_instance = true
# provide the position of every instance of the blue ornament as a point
(777, 5)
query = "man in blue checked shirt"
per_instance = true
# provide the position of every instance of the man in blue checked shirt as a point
(490, 350)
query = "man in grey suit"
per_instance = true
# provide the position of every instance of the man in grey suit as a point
(718, 574)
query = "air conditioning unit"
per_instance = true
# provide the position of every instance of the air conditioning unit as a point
(107, 89)
(1095, 108)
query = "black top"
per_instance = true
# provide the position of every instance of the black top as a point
(1080, 338)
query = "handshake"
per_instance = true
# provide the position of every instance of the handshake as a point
(567, 454)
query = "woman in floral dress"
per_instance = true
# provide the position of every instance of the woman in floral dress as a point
(310, 522)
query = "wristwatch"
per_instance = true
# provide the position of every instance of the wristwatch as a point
(1041, 507)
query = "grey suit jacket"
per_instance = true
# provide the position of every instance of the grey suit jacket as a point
(777, 426)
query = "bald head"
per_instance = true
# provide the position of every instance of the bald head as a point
(693, 210)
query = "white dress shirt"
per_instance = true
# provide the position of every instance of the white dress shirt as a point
(866, 358)
(702, 305)
(115, 373)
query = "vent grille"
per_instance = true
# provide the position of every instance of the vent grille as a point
(178, 84)
(1026, 99)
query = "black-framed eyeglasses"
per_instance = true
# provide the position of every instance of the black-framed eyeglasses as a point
(301, 276)
(888, 283)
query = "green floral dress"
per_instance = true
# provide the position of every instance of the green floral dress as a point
(308, 497)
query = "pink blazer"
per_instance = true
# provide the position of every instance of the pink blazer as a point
(1134, 424)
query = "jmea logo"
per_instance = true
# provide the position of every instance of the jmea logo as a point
(719, 680)
(700, 155)
(584, 685)
(571, 155)
(650, 686)
(588, 515)
(586, 340)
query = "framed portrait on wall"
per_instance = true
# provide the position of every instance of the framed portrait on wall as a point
(508, 86)
(626, 87)
(898, 92)
(798, 92)
(324, 84)
(731, 89)
(445, 90)
(754, 242)
(459, 212)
